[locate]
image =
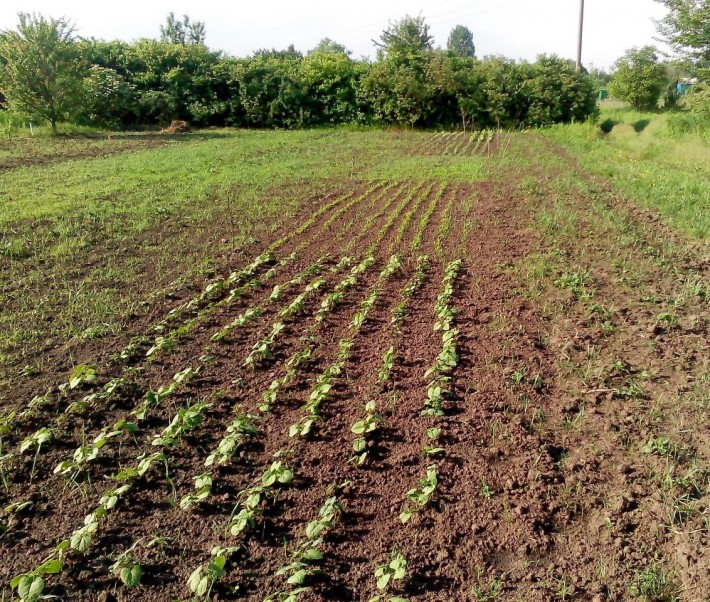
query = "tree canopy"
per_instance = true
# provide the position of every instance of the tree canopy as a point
(639, 78)
(328, 46)
(41, 73)
(460, 42)
(406, 39)
(150, 82)
(185, 31)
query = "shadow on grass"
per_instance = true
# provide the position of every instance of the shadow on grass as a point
(607, 125)
(641, 125)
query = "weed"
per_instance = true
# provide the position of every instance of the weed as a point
(654, 584)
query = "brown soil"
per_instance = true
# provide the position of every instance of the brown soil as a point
(544, 492)
(77, 148)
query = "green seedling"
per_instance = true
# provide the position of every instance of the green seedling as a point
(420, 496)
(249, 510)
(187, 419)
(203, 489)
(81, 375)
(369, 424)
(202, 579)
(160, 345)
(128, 568)
(242, 427)
(387, 365)
(277, 473)
(394, 570)
(661, 446)
(30, 586)
(36, 440)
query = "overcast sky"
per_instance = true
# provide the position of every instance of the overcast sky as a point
(514, 28)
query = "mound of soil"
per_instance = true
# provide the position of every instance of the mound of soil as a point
(177, 127)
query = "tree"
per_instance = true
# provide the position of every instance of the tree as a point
(686, 29)
(41, 73)
(108, 99)
(461, 42)
(557, 93)
(328, 46)
(406, 40)
(185, 32)
(396, 93)
(639, 78)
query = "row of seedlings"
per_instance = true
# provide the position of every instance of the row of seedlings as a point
(306, 554)
(363, 227)
(404, 224)
(426, 217)
(314, 218)
(218, 294)
(79, 540)
(86, 375)
(245, 517)
(324, 383)
(252, 503)
(419, 497)
(304, 560)
(369, 195)
(155, 399)
(30, 585)
(367, 427)
(252, 313)
(394, 215)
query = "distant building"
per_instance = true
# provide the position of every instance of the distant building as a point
(684, 85)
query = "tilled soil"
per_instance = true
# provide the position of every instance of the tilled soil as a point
(554, 480)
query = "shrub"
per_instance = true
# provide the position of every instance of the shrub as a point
(695, 113)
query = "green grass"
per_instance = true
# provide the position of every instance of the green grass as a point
(664, 172)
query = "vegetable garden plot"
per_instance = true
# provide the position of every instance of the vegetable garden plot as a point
(478, 142)
(127, 435)
(356, 413)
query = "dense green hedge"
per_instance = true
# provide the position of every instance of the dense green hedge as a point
(151, 83)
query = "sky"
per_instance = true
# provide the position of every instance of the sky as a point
(513, 28)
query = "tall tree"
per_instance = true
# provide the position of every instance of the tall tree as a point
(405, 39)
(41, 73)
(185, 32)
(461, 42)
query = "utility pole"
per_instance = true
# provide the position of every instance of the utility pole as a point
(581, 34)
